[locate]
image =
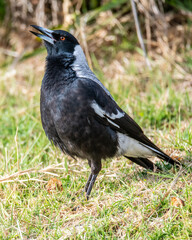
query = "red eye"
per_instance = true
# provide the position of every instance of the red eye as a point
(62, 38)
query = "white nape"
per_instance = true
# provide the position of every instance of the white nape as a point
(131, 147)
(81, 67)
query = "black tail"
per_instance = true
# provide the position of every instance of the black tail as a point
(168, 159)
(157, 152)
(143, 162)
(146, 163)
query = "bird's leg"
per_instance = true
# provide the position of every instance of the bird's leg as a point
(91, 185)
(89, 179)
(95, 169)
(88, 182)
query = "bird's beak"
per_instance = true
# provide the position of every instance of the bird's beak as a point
(46, 36)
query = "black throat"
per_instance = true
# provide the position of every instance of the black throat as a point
(59, 70)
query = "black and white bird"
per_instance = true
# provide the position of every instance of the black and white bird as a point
(80, 116)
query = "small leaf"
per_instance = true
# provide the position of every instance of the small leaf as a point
(54, 184)
(127, 210)
(177, 202)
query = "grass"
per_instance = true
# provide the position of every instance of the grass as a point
(124, 195)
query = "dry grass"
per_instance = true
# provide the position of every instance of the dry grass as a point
(127, 202)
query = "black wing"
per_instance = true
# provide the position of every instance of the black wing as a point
(107, 112)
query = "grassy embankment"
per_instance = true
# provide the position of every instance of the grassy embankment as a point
(127, 202)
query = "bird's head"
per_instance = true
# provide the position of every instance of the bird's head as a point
(57, 42)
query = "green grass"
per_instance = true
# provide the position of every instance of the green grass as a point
(124, 194)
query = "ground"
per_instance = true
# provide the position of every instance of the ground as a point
(127, 202)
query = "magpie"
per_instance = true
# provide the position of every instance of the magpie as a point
(80, 116)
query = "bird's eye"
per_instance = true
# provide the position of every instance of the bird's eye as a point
(62, 38)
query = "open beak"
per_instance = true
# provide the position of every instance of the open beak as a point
(46, 36)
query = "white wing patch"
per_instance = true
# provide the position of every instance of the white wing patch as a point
(115, 116)
(114, 124)
(126, 144)
(131, 147)
(97, 109)
(103, 114)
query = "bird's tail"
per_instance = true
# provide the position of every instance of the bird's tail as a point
(143, 162)
(162, 155)
(168, 159)
(146, 163)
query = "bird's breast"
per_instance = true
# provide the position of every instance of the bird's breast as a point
(67, 115)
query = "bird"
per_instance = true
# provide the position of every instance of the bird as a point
(80, 116)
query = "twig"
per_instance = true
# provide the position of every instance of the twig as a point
(17, 153)
(138, 29)
(9, 52)
(165, 195)
(47, 170)
(20, 233)
(84, 42)
(19, 173)
(18, 58)
(55, 10)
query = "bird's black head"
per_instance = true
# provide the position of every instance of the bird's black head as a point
(57, 42)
